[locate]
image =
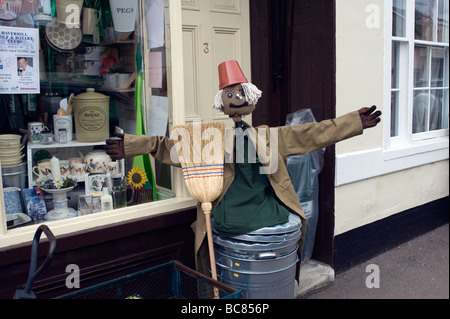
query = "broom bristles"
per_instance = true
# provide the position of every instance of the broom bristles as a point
(201, 152)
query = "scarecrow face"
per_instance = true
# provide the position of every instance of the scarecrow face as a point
(235, 103)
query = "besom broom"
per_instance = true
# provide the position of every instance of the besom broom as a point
(200, 149)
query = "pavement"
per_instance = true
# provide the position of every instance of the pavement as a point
(417, 269)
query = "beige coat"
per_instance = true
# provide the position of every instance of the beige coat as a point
(292, 140)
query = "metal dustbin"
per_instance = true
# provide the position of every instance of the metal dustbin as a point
(262, 263)
(15, 176)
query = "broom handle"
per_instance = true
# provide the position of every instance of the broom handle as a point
(207, 207)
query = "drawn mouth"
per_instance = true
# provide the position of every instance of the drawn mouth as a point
(238, 106)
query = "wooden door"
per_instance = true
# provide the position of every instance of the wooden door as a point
(293, 58)
(213, 31)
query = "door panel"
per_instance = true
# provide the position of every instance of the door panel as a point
(214, 31)
(226, 6)
(190, 5)
(191, 72)
(227, 46)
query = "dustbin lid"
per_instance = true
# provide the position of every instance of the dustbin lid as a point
(292, 225)
(280, 239)
(251, 249)
(270, 238)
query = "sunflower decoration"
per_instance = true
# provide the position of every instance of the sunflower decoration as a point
(137, 178)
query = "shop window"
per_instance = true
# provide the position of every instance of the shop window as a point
(97, 50)
(419, 67)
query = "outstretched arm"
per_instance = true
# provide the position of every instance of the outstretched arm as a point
(306, 138)
(128, 145)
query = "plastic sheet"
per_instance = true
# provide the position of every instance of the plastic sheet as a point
(304, 171)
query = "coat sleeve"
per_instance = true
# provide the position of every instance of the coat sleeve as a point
(157, 146)
(306, 138)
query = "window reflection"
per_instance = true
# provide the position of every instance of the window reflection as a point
(420, 111)
(443, 21)
(394, 113)
(425, 19)
(438, 67)
(421, 67)
(399, 18)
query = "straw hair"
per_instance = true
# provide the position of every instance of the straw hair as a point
(201, 154)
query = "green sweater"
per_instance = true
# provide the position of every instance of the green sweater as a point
(250, 202)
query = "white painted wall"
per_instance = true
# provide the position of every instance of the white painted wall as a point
(359, 67)
(364, 202)
(372, 184)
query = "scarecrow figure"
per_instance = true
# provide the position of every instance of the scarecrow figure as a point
(251, 200)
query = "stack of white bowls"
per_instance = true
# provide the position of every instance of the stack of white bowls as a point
(10, 150)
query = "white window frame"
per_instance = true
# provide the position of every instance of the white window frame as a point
(401, 152)
(182, 201)
(406, 143)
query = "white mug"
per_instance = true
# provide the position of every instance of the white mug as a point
(78, 170)
(34, 131)
(64, 166)
(74, 160)
(43, 169)
(112, 167)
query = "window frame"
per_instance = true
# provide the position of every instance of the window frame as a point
(406, 143)
(182, 200)
(397, 153)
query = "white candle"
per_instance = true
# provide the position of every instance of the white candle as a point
(56, 171)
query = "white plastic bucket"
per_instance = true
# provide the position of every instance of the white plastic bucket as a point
(124, 14)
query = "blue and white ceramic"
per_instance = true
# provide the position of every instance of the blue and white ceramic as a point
(61, 209)
(37, 210)
(12, 200)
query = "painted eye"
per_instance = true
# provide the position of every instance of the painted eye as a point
(230, 95)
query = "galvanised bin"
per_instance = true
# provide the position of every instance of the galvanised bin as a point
(261, 263)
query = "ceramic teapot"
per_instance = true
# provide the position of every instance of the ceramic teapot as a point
(96, 161)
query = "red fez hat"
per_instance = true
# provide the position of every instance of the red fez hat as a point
(230, 73)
